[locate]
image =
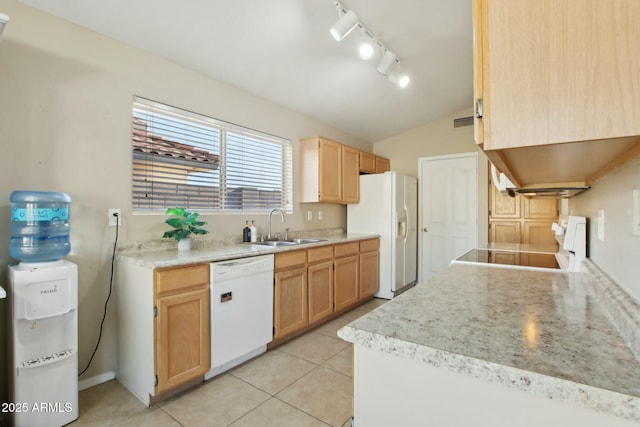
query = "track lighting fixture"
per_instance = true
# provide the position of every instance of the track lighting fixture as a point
(3, 21)
(400, 79)
(366, 50)
(347, 21)
(386, 62)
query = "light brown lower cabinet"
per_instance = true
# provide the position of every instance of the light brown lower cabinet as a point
(311, 286)
(182, 325)
(320, 277)
(290, 293)
(369, 265)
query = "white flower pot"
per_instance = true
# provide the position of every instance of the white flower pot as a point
(184, 244)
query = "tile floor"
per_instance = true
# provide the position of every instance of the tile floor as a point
(305, 382)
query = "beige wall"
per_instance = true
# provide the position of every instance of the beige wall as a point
(436, 139)
(619, 253)
(65, 125)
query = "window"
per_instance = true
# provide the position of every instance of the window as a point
(185, 159)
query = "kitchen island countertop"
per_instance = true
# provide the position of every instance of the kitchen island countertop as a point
(536, 331)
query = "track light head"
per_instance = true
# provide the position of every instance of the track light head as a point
(387, 61)
(346, 23)
(365, 50)
(400, 79)
(3, 21)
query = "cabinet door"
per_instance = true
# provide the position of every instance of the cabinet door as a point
(501, 206)
(320, 278)
(330, 174)
(382, 164)
(290, 302)
(538, 233)
(182, 338)
(556, 72)
(369, 274)
(540, 208)
(367, 162)
(350, 175)
(346, 282)
(504, 232)
(478, 71)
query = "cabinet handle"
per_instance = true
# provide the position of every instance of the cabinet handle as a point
(479, 108)
(426, 230)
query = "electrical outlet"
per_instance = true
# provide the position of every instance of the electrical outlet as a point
(320, 216)
(113, 221)
(309, 215)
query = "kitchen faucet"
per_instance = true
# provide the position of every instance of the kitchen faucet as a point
(270, 214)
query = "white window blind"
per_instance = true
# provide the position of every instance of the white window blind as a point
(183, 159)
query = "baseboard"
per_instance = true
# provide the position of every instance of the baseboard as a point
(98, 379)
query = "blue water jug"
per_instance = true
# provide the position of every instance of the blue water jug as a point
(39, 226)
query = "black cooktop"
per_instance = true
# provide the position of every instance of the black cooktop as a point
(522, 259)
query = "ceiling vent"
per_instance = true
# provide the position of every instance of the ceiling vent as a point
(463, 121)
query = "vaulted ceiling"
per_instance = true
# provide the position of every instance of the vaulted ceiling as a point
(281, 50)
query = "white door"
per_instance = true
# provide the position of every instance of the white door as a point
(448, 210)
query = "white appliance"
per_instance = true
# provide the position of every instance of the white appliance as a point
(388, 207)
(44, 330)
(241, 311)
(571, 234)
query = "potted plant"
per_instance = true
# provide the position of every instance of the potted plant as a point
(184, 223)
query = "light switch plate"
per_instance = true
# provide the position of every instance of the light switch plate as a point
(600, 224)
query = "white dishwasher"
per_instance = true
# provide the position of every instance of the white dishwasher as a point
(241, 311)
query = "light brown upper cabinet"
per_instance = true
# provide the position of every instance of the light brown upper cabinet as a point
(328, 171)
(370, 163)
(350, 175)
(367, 162)
(382, 164)
(556, 87)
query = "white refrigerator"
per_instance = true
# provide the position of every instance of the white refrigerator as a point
(389, 207)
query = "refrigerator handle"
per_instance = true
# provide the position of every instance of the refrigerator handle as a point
(402, 229)
(407, 220)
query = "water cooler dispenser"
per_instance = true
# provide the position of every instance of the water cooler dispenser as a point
(43, 292)
(44, 316)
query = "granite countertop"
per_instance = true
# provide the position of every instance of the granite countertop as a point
(148, 255)
(537, 331)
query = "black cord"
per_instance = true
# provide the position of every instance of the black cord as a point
(106, 303)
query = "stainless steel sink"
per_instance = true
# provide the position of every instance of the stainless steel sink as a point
(277, 243)
(274, 243)
(301, 241)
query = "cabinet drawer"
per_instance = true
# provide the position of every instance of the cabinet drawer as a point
(320, 254)
(176, 279)
(369, 245)
(290, 259)
(347, 249)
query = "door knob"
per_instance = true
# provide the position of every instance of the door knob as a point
(426, 230)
